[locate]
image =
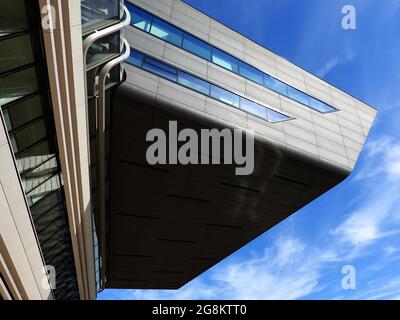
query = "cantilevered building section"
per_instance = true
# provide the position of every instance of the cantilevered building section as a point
(168, 224)
(77, 195)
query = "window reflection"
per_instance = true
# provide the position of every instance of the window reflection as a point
(224, 96)
(275, 85)
(224, 60)
(140, 19)
(166, 32)
(196, 47)
(319, 105)
(103, 49)
(192, 82)
(160, 69)
(298, 96)
(17, 85)
(97, 13)
(250, 73)
(12, 17)
(15, 52)
(253, 108)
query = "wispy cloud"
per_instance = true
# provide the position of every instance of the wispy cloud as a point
(335, 62)
(383, 158)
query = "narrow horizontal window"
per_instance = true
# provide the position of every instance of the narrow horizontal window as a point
(275, 85)
(166, 32)
(135, 58)
(298, 96)
(140, 19)
(160, 69)
(194, 83)
(225, 96)
(178, 37)
(253, 108)
(320, 106)
(15, 52)
(224, 60)
(275, 116)
(250, 73)
(17, 85)
(204, 87)
(23, 112)
(28, 136)
(197, 47)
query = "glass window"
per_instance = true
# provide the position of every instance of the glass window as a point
(275, 116)
(23, 112)
(29, 135)
(196, 46)
(251, 73)
(194, 83)
(45, 168)
(98, 13)
(320, 106)
(135, 58)
(12, 17)
(102, 49)
(225, 96)
(139, 18)
(253, 108)
(275, 85)
(298, 96)
(224, 60)
(17, 85)
(166, 32)
(160, 69)
(15, 52)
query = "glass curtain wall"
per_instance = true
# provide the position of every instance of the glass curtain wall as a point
(27, 114)
(97, 15)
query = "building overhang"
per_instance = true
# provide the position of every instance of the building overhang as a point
(169, 223)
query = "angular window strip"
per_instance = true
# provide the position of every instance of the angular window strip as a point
(145, 21)
(204, 87)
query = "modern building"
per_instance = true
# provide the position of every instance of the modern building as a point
(81, 85)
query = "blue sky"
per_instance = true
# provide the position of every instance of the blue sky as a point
(358, 222)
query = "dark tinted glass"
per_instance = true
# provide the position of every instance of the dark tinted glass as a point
(160, 69)
(135, 58)
(15, 52)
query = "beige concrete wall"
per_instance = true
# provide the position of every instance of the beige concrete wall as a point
(21, 263)
(64, 56)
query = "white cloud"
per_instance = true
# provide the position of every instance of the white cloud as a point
(287, 270)
(383, 156)
(371, 221)
(336, 61)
